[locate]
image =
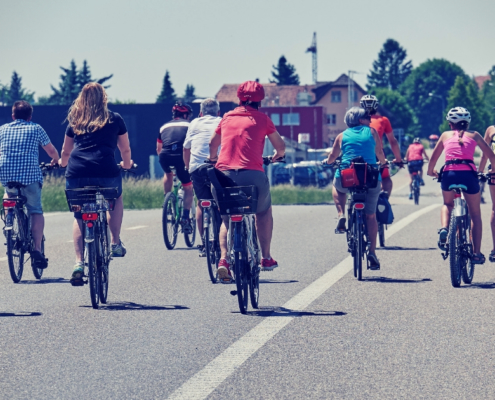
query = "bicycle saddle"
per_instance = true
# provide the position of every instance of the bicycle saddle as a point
(15, 185)
(462, 187)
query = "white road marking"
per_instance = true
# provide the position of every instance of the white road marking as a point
(70, 241)
(3, 259)
(136, 227)
(202, 384)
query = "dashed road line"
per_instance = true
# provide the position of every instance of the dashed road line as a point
(132, 228)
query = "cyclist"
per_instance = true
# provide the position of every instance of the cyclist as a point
(92, 136)
(490, 140)
(382, 126)
(169, 147)
(359, 140)
(197, 150)
(19, 162)
(241, 133)
(459, 144)
(415, 155)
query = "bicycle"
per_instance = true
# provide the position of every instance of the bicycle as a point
(383, 227)
(173, 205)
(211, 228)
(93, 202)
(416, 182)
(17, 231)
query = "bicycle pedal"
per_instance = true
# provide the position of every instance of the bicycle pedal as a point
(78, 282)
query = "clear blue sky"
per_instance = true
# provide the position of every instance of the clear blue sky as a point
(208, 43)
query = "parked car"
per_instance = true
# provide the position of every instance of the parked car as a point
(282, 175)
(310, 173)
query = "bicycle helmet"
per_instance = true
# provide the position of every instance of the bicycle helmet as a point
(181, 108)
(458, 114)
(417, 140)
(251, 91)
(369, 102)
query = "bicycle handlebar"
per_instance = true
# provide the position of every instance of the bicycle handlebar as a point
(269, 160)
(129, 170)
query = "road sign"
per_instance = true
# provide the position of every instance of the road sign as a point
(303, 138)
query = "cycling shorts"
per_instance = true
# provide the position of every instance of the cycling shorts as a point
(201, 184)
(465, 178)
(385, 173)
(32, 192)
(371, 196)
(167, 161)
(415, 166)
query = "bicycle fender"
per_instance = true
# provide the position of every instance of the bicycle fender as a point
(89, 234)
(238, 237)
(9, 220)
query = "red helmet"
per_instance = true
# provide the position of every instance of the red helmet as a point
(251, 91)
(181, 108)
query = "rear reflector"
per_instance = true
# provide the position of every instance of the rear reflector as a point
(75, 208)
(9, 203)
(236, 218)
(90, 217)
(359, 206)
(90, 224)
(206, 203)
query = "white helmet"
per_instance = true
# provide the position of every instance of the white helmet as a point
(458, 114)
(369, 102)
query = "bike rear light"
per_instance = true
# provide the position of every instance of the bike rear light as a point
(8, 203)
(359, 206)
(90, 224)
(90, 217)
(75, 208)
(236, 218)
(205, 203)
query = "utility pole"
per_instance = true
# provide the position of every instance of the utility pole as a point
(312, 49)
(350, 89)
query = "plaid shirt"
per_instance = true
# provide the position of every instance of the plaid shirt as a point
(19, 152)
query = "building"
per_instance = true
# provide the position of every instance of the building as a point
(316, 109)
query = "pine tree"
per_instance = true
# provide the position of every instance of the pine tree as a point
(488, 95)
(390, 70)
(284, 73)
(167, 95)
(189, 95)
(16, 92)
(84, 75)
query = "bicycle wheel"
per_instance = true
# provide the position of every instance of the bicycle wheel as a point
(455, 259)
(209, 241)
(15, 249)
(358, 249)
(381, 234)
(93, 276)
(240, 268)
(104, 256)
(468, 266)
(169, 221)
(191, 237)
(416, 191)
(254, 281)
(38, 272)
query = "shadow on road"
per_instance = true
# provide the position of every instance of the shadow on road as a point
(274, 281)
(20, 314)
(44, 281)
(405, 248)
(186, 248)
(285, 312)
(136, 306)
(382, 279)
(479, 285)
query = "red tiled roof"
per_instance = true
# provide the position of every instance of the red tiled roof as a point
(480, 80)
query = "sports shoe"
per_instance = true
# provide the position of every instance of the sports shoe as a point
(410, 196)
(224, 274)
(442, 238)
(38, 260)
(422, 183)
(202, 250)
(186, 225)
(118, 250)
(77, 275)
(268, 264)
(373, 262)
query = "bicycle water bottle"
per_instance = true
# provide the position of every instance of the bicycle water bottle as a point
(459, 207)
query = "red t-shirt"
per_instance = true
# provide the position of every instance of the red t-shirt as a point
(381, 124)
(243, 132)
(415, 152)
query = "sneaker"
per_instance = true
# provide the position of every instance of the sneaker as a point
(38, 260)
(77, 275)
(410, 196)
(186, 225)
(268, 264)
(118, 250)
(442, 238)
(224, 274)
(373, 262)
(422, 183)
(202, 250)
(341, 226)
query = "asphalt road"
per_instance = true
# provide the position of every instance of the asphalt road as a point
(403, 332)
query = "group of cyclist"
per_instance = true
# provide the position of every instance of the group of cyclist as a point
(235, 145)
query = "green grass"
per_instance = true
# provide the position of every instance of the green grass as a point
(148, 194)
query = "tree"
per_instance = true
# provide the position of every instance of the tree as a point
(437, 77)
(391, 69)
(15, 91)
(84, 77)
(284, 73)
(465, 94)
(488, 95)
(402, 115)
(189, 94)
(167, 95)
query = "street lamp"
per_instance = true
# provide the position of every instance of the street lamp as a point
(441, 98)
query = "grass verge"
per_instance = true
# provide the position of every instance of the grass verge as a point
(286, 194)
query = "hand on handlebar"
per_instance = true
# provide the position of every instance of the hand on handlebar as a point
(400, 163)
(433, 173)
(132, 165)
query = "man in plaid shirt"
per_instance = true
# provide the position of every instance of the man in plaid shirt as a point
(19, 162)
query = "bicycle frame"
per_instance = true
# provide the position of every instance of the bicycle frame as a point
(459, 211)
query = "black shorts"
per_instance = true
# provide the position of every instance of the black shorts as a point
(414, 166)
(201, 184)
(466, 178)
(177, 162)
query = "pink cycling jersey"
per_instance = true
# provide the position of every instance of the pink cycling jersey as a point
(454, 150)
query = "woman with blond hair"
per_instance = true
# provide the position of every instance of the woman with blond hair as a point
(92, 136)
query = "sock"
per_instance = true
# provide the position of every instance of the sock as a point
(185, 214)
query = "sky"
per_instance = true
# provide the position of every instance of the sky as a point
(207, 43)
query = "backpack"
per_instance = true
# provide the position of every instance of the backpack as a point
(384, 213)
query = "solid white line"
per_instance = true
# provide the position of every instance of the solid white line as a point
(136, 227)
(3, 259)
(200, 386)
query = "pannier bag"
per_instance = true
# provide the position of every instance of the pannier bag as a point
(384, 213)
(359, 174)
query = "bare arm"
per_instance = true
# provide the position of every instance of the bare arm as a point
(66, 150)
(278, 144)
(335, 149)
(52, 152)
(159, 146)
(379, 147)
(186, 155)
(394, 145)
(437, 151)
(487, 151)
(215, 142)
(425, 155)
(490, 131)
(125, 150)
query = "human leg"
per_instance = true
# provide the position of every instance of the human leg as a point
(77, 236)
(387, 185)
(264, 229)
(168, 182)
(339, 197)
(115, 218)
(492, 217)
(473, 202)
(37, 226)
(372, 225)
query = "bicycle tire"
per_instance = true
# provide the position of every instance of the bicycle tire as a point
(254, 281)
(468, 266)
(103, 268)
(15, 250)
(93, 275)
(190, 238)
(381, 234)
(416, 192)
(455, 264)
(209, 241)
(358, 250)
(169, 221)
(38, 272)
(241, 278)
